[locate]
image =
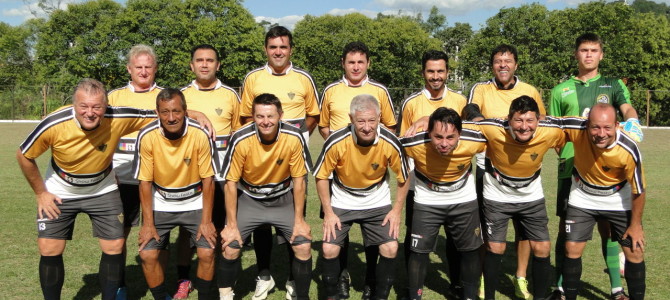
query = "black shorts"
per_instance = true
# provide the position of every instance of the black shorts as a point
(531, 217)
(105, 212)
(461, 221)
(371, 225)
(579, 224)
(165, 221)
(562, 195)
(130, 196)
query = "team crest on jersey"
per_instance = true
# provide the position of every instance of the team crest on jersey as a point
(603, 98)
(102, 147)
(280, 161)
(187, 161)
(218, 111)
(606, 168)
(534, 156)
(461, 167)
(375, 166)
(291, 95)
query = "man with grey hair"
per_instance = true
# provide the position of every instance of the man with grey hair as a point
(79, 179)
(358, 157)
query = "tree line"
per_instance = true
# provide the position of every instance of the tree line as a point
(90, 39)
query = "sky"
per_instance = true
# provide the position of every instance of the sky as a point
(289, 12)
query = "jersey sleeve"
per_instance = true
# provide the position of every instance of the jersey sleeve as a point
(33, 146)
(145, 161)
(398, 164)
(312, 107)
(247, 97)
(234, 163)
(555, 103)
(206, 165)
(326, 162)
(635, 175)
(298, 162)
(405, 118)
(386, 106)
(538, 98)
(324, 119)
(477, 97)
(621, 94)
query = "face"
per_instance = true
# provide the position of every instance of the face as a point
(504, 66)
(435, 74)
(204, 65)
(444, 138)
(89, 109)
(142, 69)
(267, 120)
(523, 125)
(588, 56)
(278, 51)
(355, 67)
(365, 125)
(172, 115)
(602, 127)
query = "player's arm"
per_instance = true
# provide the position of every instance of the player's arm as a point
(206, 227)
(634, 230)
(393, 218)
(300, 226)
(148, 230)
(230, 232)
(413, 129)
(324, 131)
(331, 222)
(204, 121)
(46, 201)
(311, 122)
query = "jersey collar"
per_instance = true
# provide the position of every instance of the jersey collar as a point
(516, 81)
(427, 94)
(267, 68)
(353, 134)
(186, 123)
(347, 83)
(197, 87)
(132, 88)
(258, 134)
(587, 81)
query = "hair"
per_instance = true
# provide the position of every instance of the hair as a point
(205, 47)
(364, 102)
(278, 31)
(445, 116)
(504, 48)
(356, 47)
(434, 55)
(169, 94)
(588, 37)
(90, 86)
(267, 99)
(141, 49)
(522, 105)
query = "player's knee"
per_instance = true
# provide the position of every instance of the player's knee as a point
(495, 247)
(636, 256)
(303, 251)
(541, 249)
(330, 250)
(112, 247)
(389, 249)
(51, 247)
(231, 253)
(206, 255)
(574, 249)
(150, 256)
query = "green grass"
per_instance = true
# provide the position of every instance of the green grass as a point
(19, 256)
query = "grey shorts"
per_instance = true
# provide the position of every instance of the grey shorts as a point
(461, 221)
(165, 221)
(105, 212)
(531, 218)
(579, 224)
(130, 196)
(278, 212)
(371, 225)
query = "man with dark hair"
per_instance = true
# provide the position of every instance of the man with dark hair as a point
(445, 196)
(267, 160)
(79, 178)
(575, 97)
(494, 98)
(358, 157)
(175, 163)
(335, 115)
(608, 184)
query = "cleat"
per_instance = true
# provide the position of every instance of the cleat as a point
(290, 290)
(184, 288)
(122, 293)
(556, 295)
(521, 288)
(368, 293)
(343, 287)
(229, 296)
(620, 295)
(263, 287)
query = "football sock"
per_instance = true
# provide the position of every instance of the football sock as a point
(416, 273)
(291, 258)
(227, 272)
(492, 263)
(572, 273)
(635, 277)
(263, 248)
(471, 270)
(302, 270)
(371, 257)
(330, 275)
(610, 251)
(344, 255)
(159, 292)
(385, 276)
(110, 273)
(541, 270)
(453, 260)
(183, 272)
(52, 273)
(559, 249)
(204, 288)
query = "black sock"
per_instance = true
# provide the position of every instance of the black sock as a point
(416, 273)
(122, 281)
(330, 275)
(572, 272)
(263, 248)
(385, 277)
(52, 274)
(110, 274)
(291, 258)
(183, 272)
(541, 268)
(635, 275)
(453, 260)
(344, 257)
(302, 271)
(471, 270)
(159, 292)
(492, 263)
(204, 288)
(227, 272)
(559, 249)
(371, 257)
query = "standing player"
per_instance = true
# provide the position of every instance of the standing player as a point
(358, 157)
(174, 164)
(575, 97)
(267, 160)
(607, 184)
(220, 104)
(445, 195)
(79, 179)
(335, 115)
(296, 90)
(494, 98)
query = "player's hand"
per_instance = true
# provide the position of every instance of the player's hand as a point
(331, 223)
(636, 234)
(208, 231)
(230, 234)
(633, 128)
(419, 124)
(47, 205)
(147, 233)
(393, 219)
(301, 228)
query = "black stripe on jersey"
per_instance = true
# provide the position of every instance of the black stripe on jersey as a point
(494, 122)
(418, 139)
(383, 87)
(136, 156)
(472, 90)
(551, 122)
(239, 135)
(387, 135)
(402, 108)
(334, 138)
(329, 86)
(573, 123)
(129, 112)
(629, 144)
(295, 131)
(234, 92)
(472, 135)
(52, 119)
(316, 93)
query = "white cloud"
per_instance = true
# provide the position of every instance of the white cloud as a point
(345, 11)
(450, 7)
(286, 21)
(25, 11)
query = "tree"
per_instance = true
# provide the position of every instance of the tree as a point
(15, 60)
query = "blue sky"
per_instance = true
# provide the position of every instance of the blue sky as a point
(289, 12)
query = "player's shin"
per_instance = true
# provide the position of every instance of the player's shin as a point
(572, 272)
(110, 273)
(471, 270)
(492, 263)
(541, 268)
(330, 275)
(416, 273)
(52, 273)
(636, 278)
(302, 273)
(385, 276)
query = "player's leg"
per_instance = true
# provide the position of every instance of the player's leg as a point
(282, 217)
(610, 251)
(184, 257)
(331, 250)
(635, 266)
(375, 234)
(533, 223)
(130, 198)
(579, 229)
(496, 215)
(562, 195)
(426, 226)
(463, 224)
(190, 222)
(523, 250)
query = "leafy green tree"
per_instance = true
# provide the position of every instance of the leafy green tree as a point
(15, 60)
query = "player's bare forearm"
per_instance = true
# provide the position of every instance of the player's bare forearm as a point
(401, 195)
(638, 209)
(207, 199)
(628, 111)
(230, 193)
(147, 203)
(311, 122)
(299, 197)
(323, 189)
(324, 131)
(246, 120)
(31, 172)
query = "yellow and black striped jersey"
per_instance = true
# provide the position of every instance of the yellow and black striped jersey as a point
(336, 102)
(265, 170)
(175, 167)
(603, 174)
(295, 89)
(220, 104)
(80, 157)
(419, 105)
(494, 102)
